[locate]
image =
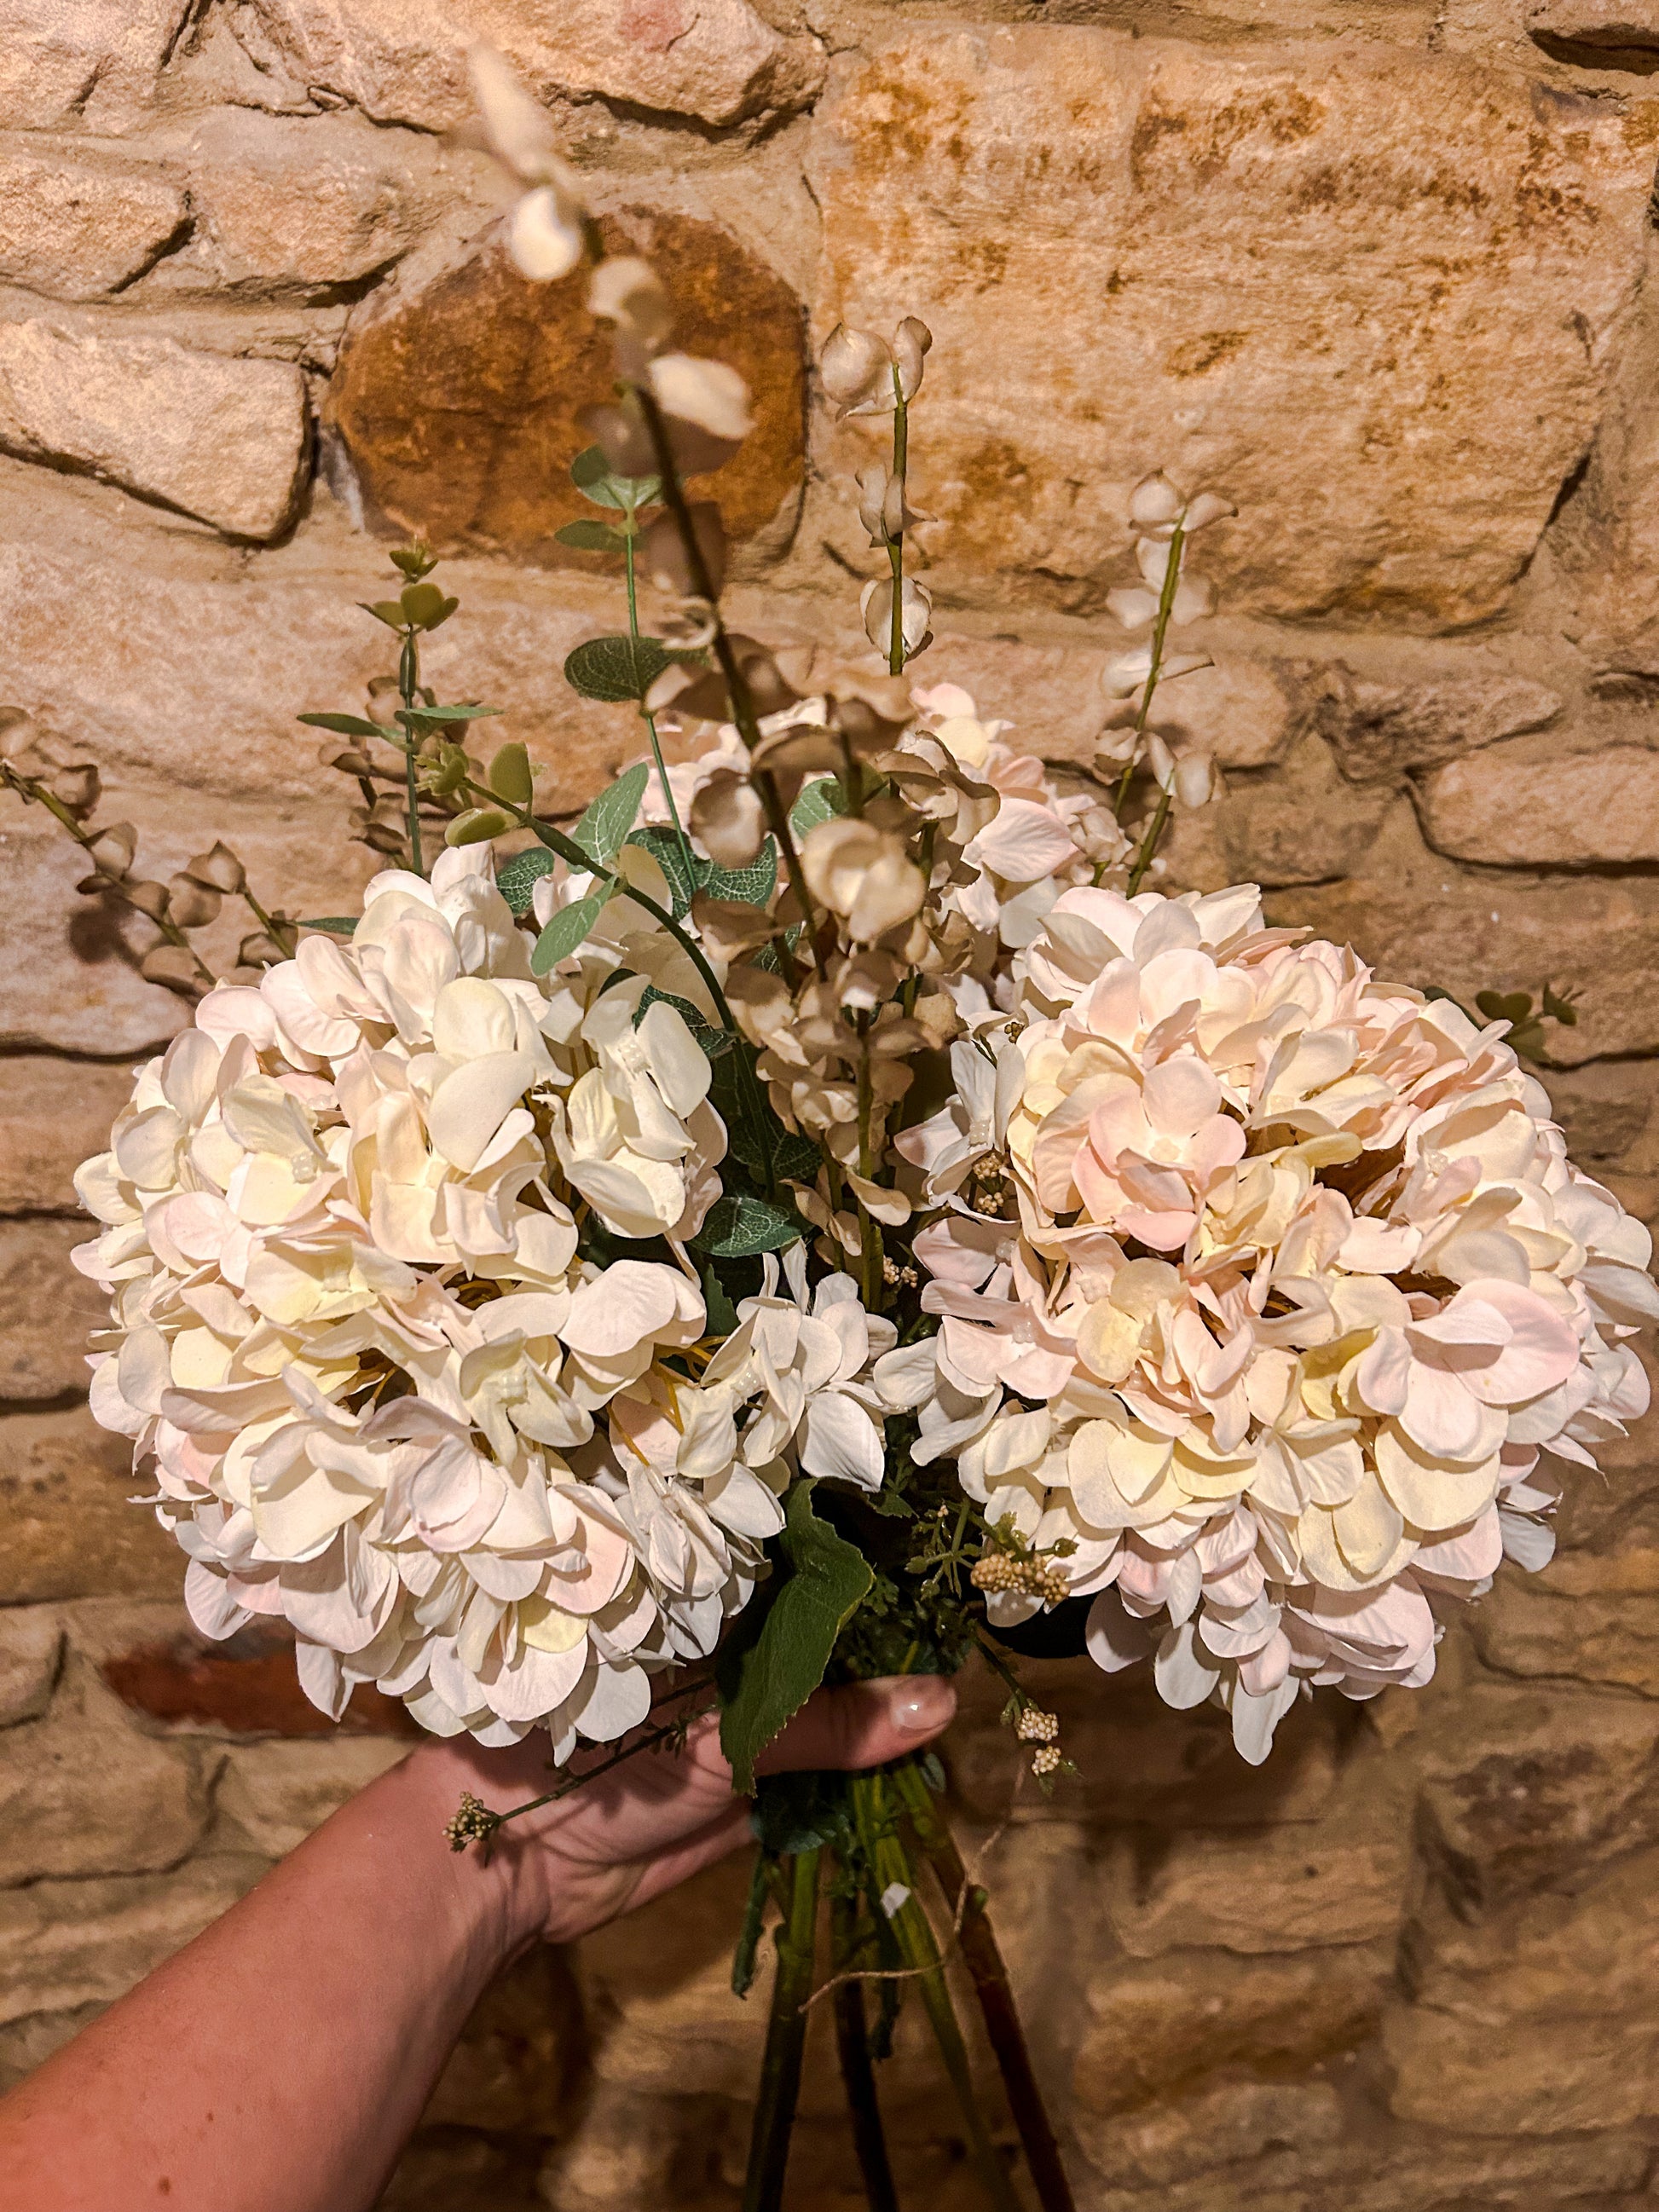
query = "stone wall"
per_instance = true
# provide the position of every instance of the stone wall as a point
(1381, 273)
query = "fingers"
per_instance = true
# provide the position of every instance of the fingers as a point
(863, 1724)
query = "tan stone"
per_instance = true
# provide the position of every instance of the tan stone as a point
(717, 60)
(1378, 730)
(220, 438)
(1606, 1110)
(1609, 26)
(1591, 1614)
(83, 1793)
(47, 1308)
(75, 229)
(1296, 823)
(1154, 2027)
(53, 1114)
(457, 400)
(1510, 807)
(1568, 1984)
(1345, 296)
(296, 206)
(1237, 2120)
(64, 1485)
(31, 1649)
(94, 62)
(64, 1944)
(271, 1796)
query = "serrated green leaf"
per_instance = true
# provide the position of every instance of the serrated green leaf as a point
(709, 1041)
(589, 536)
(740, 1224)
(344, 726)
(671, 856)
(603, 830)
(337, 925)
(750, 886)
(765, 1683)
(593, 477)
(567, 930)
(755, 1135)
(614, 669)
(721, 1314)
(516, 879)
(818, 802)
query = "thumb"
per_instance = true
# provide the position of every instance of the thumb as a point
(863, 1723)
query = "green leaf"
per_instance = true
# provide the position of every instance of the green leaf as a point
(568, 926)
(602, 830)
(767, 1682)
(477, 824)
(818, 802)
(796, 1812)
(337, 925)
(588, 537)
(516, 879)
(1510, 1007)
(1559, 1006)
(344, 726)
(509, 775)
(722, 1315)
(749, 1935)
(424, 605)
(614, 669)
(750, 886)
(593, 477)
(740, 1224)
(445, 713)
(671, 856)
(389, 611)
(755, 1135)
(710, 1041)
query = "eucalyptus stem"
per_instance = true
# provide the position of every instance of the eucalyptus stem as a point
(786, 2036)
(887, 1854)
(984, 1962)
(408, 686)
(1160, 631)
(870, 1248)
(857, 2073)
(896, 544)
(743, 704)
(645, 715)
(1148, 842)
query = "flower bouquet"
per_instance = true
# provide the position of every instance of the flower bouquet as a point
(828, 1206)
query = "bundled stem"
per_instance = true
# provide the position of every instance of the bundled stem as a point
(857, 2071)
(786, 2036)
(409, 690)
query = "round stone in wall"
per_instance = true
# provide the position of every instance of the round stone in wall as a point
(456, 400)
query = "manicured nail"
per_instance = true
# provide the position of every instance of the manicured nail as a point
(922, 1705)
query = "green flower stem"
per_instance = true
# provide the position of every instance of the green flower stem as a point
(29, 789)
(743, 705)
(786, 2036)
(984, 1962)
(649, 718)
(1160, 630)
(870, 1248)
(409, 687)
(896, 545)
(1148, 842)
(280, 932)
(857, 2073)
(890, 1861)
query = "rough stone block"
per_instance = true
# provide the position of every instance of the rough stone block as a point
(271, 1796)
(76, 229)
(31, 1651)
(1592, 1614)
(1178, 2140)
(70, 1532)
(291, 206)
(220, 438)
(47, 1309)
(88, 62)
(53, 1114)
(457, 398)
(1344, 293)
(247, 1686)
(1609, 28)
(1377, 731)
(1514, 808)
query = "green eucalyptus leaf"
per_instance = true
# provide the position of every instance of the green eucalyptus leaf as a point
(755, 1135)
(477, 824)
(344, 726)
(603, 829)
(709, 1041)
(740, 1224)
(818, 802)
(445, 713)
(615, 669)
(590, 537)
(424, 606)
(750, 886)
(389, 611)
(593, 477)
(337, 925)
(516, 879)
(567, 930)
(509, 775)
(1510, 1007)
(765, 1681)
(671, 856)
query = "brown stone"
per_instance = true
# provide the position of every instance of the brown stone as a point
(1591, 1614)
(271, 1796)
(47, 1308)
(457, 401)
(1237, 2120)
(31, 1651)
(247, 1686)
(64, 1485)
(64, 1944)
(1377, 731)
(1297, 823)
(1512, 807)
(76, 230)
(1568, 1982)
(1252, 274)
(1609, 28)
(83, 1793)
(53, 1114)
(94, 62)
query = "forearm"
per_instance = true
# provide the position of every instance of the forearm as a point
(279, 2062)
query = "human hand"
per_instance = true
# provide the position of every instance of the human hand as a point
(628, 1835)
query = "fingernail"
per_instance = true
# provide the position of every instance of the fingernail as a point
(922, 1706)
